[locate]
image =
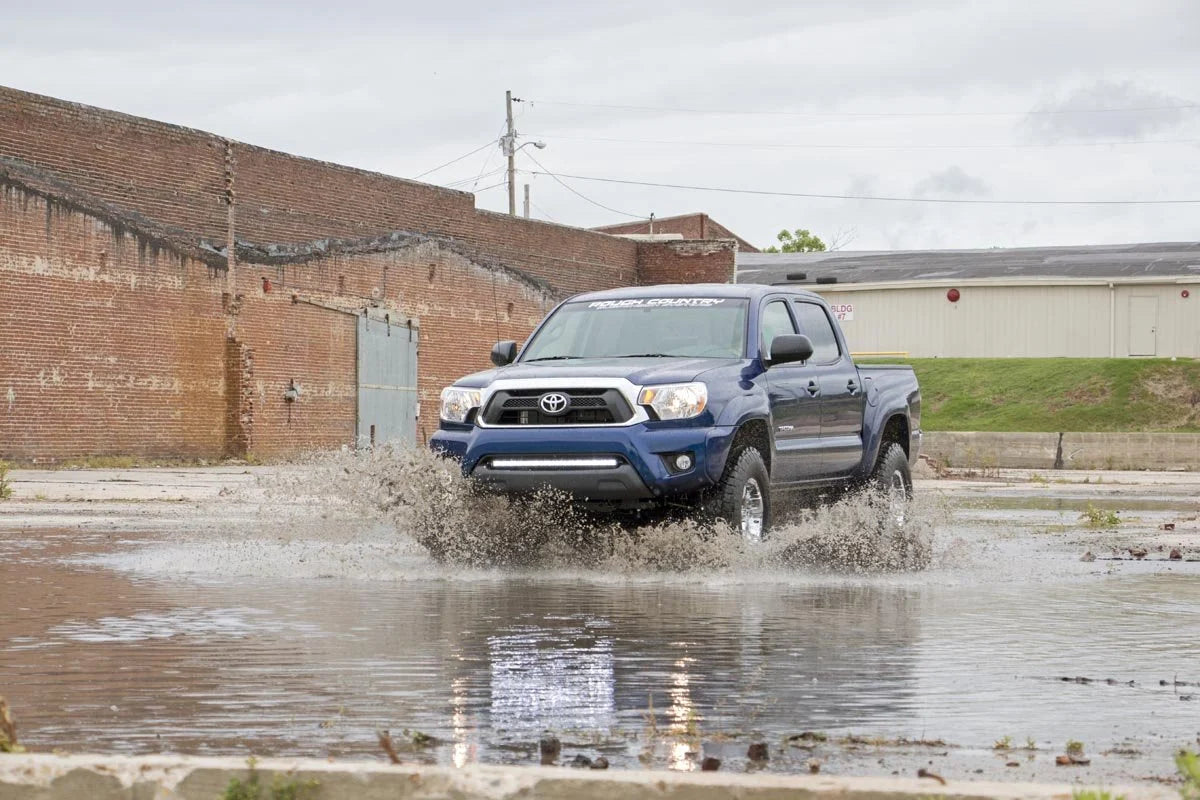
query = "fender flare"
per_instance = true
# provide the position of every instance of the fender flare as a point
(875, 426)
(742, 410)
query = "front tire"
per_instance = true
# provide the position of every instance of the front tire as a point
(743, 496)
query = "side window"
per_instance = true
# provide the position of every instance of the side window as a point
(815, 324)
(776, 321)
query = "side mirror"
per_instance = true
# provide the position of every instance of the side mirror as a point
(504, 353)
(790, 348)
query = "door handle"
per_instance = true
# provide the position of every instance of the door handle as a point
(852, 387)
(813, 389)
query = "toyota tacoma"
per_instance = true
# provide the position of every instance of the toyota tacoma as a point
(708, 397)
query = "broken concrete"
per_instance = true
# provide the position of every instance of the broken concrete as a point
(50, 777)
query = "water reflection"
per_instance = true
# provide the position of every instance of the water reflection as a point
(544, 675)
(101, 661)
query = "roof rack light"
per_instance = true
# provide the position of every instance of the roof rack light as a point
(826, 279)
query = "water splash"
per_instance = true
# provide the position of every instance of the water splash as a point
(426, 499)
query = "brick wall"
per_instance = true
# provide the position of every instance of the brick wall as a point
(683, 261)
(175, 176)
(116, 346)
(109, 346)
(689, 226)
(123, 334)
(461, 308)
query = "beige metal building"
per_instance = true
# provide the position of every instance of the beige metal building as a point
(1102, 301)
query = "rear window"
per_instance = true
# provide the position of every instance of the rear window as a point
(815, 324)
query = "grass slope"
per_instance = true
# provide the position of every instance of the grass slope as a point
(1059, 394)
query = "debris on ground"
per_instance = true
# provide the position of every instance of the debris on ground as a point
(385, 741)
(710, 764)
(419, 739)
(807, 740)
(758, 752)
(8, 731)
(1072, 761)
(549, 747)
(924, 773)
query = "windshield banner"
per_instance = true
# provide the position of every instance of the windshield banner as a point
(668, 302)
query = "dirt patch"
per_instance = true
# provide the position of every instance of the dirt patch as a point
(1093, 391)
(935, 403)
(1178, 396)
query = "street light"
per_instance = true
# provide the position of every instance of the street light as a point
(506, 146)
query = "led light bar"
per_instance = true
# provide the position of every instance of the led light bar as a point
(554, 463)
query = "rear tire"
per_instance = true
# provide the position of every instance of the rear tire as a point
(742, 498)
(893, 477)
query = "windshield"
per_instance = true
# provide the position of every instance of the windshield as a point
(696, 327)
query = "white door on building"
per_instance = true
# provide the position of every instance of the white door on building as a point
(1143, 326)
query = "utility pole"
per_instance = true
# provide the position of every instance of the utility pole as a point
(510, 145)
(527, 201)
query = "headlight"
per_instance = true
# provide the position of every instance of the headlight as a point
(458, 402)
(675, 401)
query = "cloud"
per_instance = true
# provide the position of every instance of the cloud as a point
(1080, 113)
(863, 185)
(951, 182)
(889, 94)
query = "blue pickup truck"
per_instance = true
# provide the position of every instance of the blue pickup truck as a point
(710, 397)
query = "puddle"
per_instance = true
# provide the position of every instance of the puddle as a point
(311, 629)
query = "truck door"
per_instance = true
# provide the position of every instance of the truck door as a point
(841, 391)
(795, 399)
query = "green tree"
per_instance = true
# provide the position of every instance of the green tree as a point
(799, 241)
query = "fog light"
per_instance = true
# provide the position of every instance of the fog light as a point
(683, 462)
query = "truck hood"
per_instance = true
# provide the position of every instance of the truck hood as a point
(640, 371)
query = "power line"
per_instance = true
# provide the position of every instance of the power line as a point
(543, 211)
(476, 179)
(487, 160)
(870, 114)
(454, 161)
(816, 146)
(576, 193)
(890, 199)
(493, 186)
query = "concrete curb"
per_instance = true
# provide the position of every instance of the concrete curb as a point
(1123, 451)
(49, 777)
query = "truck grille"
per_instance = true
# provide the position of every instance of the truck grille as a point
(518, 407)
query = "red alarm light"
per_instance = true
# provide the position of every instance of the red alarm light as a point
(1185, 294)
(953, 295)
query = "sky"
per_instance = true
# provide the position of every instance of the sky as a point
(927, 99)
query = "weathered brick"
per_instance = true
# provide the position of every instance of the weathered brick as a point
(123, 335)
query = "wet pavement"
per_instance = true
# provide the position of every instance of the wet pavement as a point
(195, 625)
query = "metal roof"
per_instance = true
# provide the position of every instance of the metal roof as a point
(1166, 259)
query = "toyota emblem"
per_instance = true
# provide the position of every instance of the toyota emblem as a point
(554, 404)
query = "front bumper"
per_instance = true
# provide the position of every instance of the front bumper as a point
(640, 475)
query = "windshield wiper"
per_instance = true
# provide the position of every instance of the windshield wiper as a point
(649, 355)
(549, 358)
